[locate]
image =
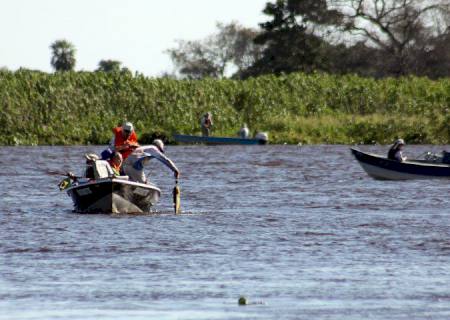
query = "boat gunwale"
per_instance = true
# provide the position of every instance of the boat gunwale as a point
(114, 180)
(214, 140)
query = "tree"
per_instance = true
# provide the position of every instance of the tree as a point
(109, 66)
(401, 30)
(63, 55)
(232, 47)
(435, 59)
(293, 38)
(196, 60)
(368, 37)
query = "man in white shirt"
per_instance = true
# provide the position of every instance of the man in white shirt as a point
(244, 132)
(133, 166)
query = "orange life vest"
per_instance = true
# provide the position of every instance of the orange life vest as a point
(120, 141)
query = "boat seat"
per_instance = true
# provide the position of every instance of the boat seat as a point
(122, 177)
(102, 170)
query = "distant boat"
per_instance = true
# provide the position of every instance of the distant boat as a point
(381, 168)
(182, 138)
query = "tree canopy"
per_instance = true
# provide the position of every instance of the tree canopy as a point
(63, 55)
(402, 33)
(231, 47)
(376, 38)
(109, 66)
(292, 38)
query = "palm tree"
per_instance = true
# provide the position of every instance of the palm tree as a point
(63, 55)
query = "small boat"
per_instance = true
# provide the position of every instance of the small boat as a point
(104, 192)
(113, 195)
(381, 168)
(182, 138)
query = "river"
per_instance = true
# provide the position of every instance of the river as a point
(301, 231)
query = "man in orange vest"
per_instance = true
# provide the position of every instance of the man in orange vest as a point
(124, 140)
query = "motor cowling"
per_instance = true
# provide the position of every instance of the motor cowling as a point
(263, 136)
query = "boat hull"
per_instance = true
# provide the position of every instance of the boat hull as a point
(182, 138)
(113, 196)
(382, 168)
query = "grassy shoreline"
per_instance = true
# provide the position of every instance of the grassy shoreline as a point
(82, 107)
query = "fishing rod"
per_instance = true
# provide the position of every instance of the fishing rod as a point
(64, 174)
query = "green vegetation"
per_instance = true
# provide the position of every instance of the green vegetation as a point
(82, 107)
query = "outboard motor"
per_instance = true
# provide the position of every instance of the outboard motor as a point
(263, 137)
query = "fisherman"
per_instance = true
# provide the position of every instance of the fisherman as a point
(206, 124)
(115, 162)
(124, 140)
(395, 152)
(89, 173)
(244, 132)
(114, 159)
(133, 166)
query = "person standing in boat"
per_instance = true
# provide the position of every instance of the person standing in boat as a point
(206, 124)
(396, 151)
(244, 132)
(133, 166)
(124, 140)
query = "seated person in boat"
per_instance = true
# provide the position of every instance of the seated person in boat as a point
(124, 140)
(101, 169)
(133, 166)
(244, 132)
(115, 162)
(396, 151)
(206, 124)
(114, 159)
(90, 160)
(89, 171)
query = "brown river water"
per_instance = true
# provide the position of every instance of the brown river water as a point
(301, 232)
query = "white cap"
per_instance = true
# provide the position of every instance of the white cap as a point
(158, 143)
(127, 126)
(91, 156)
(400, 142)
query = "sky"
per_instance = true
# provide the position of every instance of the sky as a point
(135, 32)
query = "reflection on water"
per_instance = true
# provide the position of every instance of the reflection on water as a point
(301, 230)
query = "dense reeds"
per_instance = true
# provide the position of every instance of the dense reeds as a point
(82, 107)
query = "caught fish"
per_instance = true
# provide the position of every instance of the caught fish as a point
(176, 198)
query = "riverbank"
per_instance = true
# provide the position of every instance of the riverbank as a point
(82, 107)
